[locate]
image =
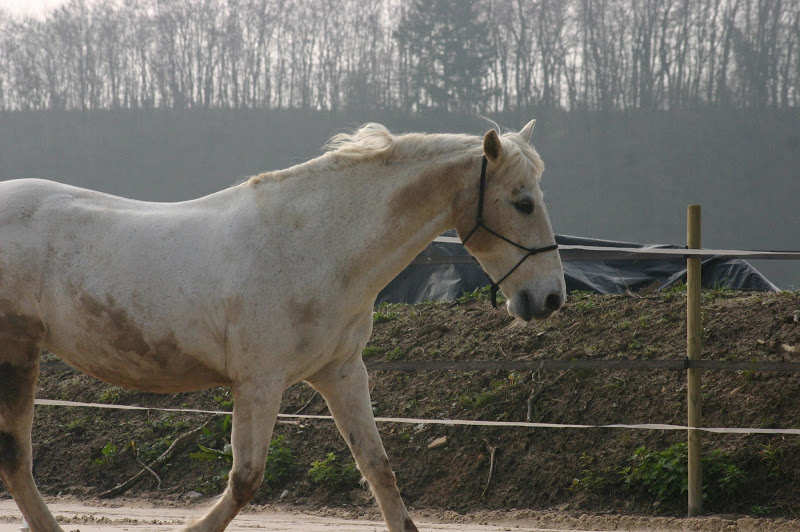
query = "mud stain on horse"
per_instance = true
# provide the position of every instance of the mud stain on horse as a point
(384, 474)
(408, 203)
(125, 335)
(305, 312)
(405, 207)
(16, 384)
(10, 453)
(92, 306)
(161, 365)
(129, 337)
(244, 483)
(10, 381)
(165, 348)
(304, 345)
(19, 327)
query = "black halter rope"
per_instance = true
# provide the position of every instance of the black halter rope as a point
(529, 251)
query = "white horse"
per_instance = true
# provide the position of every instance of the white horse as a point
(256, 287)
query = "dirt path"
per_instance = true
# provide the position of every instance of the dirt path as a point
(143, 516)
(76, 516)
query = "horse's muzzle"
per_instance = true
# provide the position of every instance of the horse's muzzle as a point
(527, 306)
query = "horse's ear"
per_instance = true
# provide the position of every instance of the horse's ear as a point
(491, 146)
(526, 131)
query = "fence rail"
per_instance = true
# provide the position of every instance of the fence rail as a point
(570, 252)
(548, 365)
(294, 418)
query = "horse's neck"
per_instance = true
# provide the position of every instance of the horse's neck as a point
(410, 211)
(356, 227)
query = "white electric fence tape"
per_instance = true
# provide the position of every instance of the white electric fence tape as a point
(593, 253)
(450, 422)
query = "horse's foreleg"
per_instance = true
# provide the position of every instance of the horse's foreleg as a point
(19, 371)
(346, 390)
(255, 410)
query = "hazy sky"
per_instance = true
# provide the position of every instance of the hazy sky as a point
(30, 7)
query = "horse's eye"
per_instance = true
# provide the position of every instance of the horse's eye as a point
(524, 206)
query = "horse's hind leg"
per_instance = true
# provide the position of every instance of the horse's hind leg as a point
(255, 409)
(346, 390)
(19, 371)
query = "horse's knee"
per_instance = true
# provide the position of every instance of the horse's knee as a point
(378, 473)
(383, 473)
(244, 483)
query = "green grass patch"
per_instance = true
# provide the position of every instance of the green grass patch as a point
(395, 354)
(664, 473)
(334, 475)
(372, 351)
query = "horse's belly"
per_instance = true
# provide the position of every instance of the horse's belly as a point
(178, 373)
(150, 341)
(117, 351)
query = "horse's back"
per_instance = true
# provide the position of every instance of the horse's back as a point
(31, 208)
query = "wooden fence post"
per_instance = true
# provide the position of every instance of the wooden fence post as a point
(694, 331)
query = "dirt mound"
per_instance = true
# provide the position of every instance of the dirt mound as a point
(82, 451)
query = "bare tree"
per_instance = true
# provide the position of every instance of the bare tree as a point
(502, 55)
(551, 18)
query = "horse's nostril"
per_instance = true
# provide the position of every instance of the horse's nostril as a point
(525, 304)
(553, 302)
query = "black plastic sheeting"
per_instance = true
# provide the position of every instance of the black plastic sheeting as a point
(447, 282)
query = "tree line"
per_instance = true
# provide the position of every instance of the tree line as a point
(363, 55)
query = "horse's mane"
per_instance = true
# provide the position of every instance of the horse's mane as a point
(373, 141)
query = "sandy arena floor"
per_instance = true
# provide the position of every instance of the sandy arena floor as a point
(143, 516)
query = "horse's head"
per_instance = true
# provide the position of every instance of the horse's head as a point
(508, 229)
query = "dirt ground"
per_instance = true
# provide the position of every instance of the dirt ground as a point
(142, 516)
